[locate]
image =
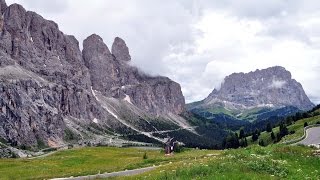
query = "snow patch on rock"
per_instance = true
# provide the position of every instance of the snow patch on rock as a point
(101, 99)
(128, 99)
(95, 120)
(105, 107)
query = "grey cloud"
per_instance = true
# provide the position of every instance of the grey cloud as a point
(254, 8)
(41, 6)
(285, 29)
(149, 28)
(280, 16)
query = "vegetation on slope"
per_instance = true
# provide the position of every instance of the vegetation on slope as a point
(87, 161)
(290, 128)
(210, 133)
(249, 120)
(254, 162)
(287, 129)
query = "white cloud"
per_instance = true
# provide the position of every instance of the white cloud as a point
(277, 84)
(241, 45)
(198, 42)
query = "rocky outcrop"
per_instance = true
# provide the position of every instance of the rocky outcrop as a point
(39, 46)
(3, 6)
(47, 85)
(156, 92)
(101, 64)
(156, 95)
(120, 50)
(271, 87)
(6, 153)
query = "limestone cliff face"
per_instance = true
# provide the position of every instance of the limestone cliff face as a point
(112, 75)
(45, 80)
(39, 46)
(120, 50)
(271, 87)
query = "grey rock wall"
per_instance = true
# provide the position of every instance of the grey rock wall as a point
(46, 79)
(271, 87)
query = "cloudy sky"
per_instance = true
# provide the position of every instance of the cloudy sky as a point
(198, 42)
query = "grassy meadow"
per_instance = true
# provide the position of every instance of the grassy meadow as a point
(297, 127)
(87, 161)
(254, 162)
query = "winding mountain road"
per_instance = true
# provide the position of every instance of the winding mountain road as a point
(312, 136)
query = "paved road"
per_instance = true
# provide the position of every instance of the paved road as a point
(313, 136)
(106, 175)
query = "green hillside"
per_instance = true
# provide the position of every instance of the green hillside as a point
(294, 125)
(255, 162)
(89, 160)
(295, 130)
(248, 115)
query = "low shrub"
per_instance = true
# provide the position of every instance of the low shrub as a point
(145, 156)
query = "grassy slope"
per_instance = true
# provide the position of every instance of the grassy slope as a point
(254, 162)
(86, 161)
(245, 114)
(219, 110)
(250, 114)
(298, 127)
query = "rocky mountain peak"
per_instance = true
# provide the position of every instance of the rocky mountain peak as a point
(47, 84)
(113, 78)
(15, 17)
(95, 44)
(120, 50)
(101, 64)
(3, 6)
(276, 72)
(273, 86)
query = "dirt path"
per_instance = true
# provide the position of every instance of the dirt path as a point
(113, 174)
(43, 155)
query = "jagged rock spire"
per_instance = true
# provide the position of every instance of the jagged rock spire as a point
(120, 50)
(95, 43)
(3, 6)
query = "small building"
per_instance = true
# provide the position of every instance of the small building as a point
(169, 146)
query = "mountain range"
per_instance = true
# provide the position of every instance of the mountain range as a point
(52, 93)
(261, 95)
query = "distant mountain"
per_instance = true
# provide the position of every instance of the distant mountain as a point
(255, 96)
(52, 94)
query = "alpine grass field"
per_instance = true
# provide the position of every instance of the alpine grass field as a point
(254, 162)
(87, 161)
